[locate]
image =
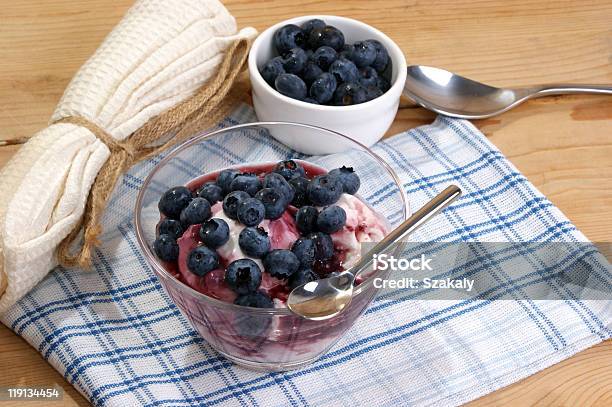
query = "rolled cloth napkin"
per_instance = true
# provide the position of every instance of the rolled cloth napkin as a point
(166, 70)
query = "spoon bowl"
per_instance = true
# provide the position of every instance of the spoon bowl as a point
(453, 95)
(326, 299)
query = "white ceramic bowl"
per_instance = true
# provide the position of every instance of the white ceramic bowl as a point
(366, 122)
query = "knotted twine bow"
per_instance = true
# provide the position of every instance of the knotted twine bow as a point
(209, 104)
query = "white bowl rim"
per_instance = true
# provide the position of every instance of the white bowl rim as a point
(398, 83)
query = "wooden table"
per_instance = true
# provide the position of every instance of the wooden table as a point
(562, 144)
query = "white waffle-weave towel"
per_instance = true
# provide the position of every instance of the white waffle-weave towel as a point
(157, 56)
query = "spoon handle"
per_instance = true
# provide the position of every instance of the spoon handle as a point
(426, 212)
(566, 89)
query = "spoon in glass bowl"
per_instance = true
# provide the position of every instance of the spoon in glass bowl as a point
(453, 95)
(326, 298)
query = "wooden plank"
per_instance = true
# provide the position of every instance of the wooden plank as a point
(562, 144)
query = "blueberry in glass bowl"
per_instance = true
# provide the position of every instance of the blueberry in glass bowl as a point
(231, 280)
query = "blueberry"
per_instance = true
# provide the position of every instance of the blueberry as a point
(346, 52)
(225, 178)
(349, 179)
(314, 38)
(290, 85)
(332, 37)
(382, 56)
(232, 201)
(344, 70)
(364, 53)
(255, 300)
(279, 183)
(382, 84)
(328, 35)
(281, 263)
(251, 212)
(372, 92)
(211, 192)
(302, 277)
(295, 60)
(202, 260)
(251, 326)
(300, 185)
(331, 219)
(171, 227)
(214, 233)
(272, 69)
(324, 245)
(309, 25)
(287, 37)
(324, 56)
(289, 169)
(304, 250)
(306, 219)
(243, 276)
(254, 242)
(350, 93)
(166, 248)
(273, 201)
(196, 212)
(311, 72)
(310, 100)
(246, 182)
(173, 201)
(324, 190)
(368, 76)
(322, 89)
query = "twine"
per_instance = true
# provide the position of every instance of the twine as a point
(208, 105)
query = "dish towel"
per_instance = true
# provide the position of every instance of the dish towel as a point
(117, 338)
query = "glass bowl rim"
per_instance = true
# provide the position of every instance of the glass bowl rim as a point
(159, 269)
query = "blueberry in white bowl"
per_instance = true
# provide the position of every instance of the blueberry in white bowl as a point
(312, 68)
(368, 70)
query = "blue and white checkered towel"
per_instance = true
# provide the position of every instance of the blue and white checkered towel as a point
(116, 337)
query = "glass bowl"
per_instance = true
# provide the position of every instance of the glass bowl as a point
(263, 339)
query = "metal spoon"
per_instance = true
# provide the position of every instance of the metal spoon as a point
(453, 95)
(325, 298)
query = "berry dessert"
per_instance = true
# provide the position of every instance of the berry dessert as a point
(315, 65)
(250, 235)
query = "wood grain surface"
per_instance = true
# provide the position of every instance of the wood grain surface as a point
(562, 144)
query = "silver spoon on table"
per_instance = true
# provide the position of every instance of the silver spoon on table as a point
(326, 298)
(454, 95)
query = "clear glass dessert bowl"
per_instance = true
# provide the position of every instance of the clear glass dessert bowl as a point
(281, 340)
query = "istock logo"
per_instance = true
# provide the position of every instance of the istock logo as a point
(389, 262)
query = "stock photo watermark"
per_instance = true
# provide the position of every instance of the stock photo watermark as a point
(494, 271)
(385, 262)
